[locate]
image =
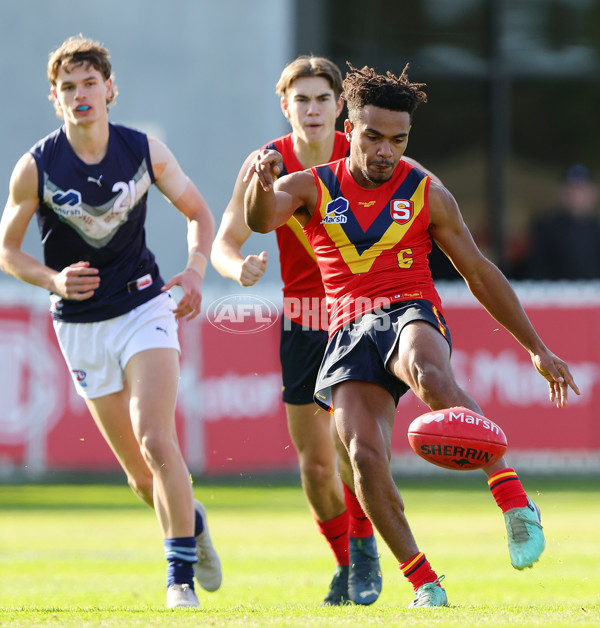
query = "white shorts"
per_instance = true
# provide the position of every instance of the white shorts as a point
(97, 353)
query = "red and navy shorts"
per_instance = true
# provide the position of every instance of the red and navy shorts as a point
(361, 349)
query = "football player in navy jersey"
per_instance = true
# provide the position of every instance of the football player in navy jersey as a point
(114, 316)
(371, 219)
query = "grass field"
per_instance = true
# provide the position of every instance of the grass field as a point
(91, 555)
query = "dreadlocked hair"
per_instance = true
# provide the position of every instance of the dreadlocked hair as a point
(396, 93)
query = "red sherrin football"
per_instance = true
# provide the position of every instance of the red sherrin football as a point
(457, 438)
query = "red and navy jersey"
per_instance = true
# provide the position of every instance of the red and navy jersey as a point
(302, 284)
(96, 213)
(372, 244)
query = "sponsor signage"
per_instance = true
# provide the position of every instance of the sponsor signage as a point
(230, 416)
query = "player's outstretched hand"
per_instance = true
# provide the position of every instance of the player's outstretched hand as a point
(267, 165)
(252, 269)
(556, 371)
(190, 282)
(77, 282)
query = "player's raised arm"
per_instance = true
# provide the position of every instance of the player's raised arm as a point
(493, 290)
(270, 203)
(226, 254)
(184, 195)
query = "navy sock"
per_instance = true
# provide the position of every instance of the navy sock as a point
(198, 523)
(180, 553)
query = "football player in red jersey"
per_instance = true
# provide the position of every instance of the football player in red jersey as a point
(371, 219)
(310, 89)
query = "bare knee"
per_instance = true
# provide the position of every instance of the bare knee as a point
(368, 463)
(435, 386)
(372, 475)
(157, 449)
(316, 470)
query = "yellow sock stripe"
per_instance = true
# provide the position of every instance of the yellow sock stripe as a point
(408, 566)
(501, 476)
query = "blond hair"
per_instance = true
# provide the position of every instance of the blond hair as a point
(306, 66)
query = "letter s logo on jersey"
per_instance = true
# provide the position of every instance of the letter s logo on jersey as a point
(401, 210)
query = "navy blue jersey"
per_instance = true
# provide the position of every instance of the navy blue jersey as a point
(96, 213)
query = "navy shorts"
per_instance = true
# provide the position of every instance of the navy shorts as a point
(301, 352)
(361, 349)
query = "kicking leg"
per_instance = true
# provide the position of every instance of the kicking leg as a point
(422, 360)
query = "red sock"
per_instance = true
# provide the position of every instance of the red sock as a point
(336, 533)
(418, 571)
(359, 525)
(507, 489)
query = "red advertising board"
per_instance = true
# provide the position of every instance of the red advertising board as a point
(498, 373)
(230, 416)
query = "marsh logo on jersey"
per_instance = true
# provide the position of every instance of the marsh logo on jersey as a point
(335, 210)
(67, 203)
(401, 210)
